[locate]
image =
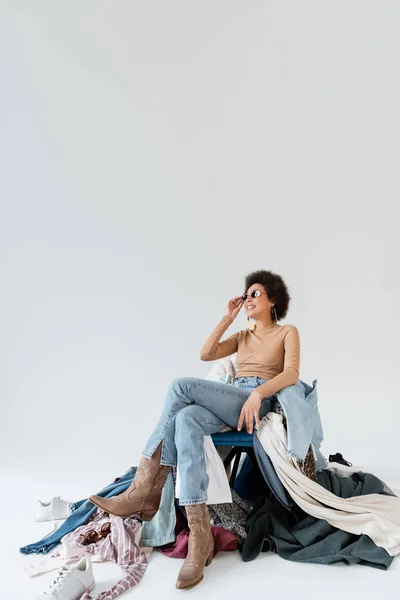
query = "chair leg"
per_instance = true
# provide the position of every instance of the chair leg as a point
(230, 457)
(235, 466)
(251, 454)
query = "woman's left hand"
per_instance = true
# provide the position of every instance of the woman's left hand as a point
(250, 411)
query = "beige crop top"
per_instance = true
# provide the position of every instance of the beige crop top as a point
(272, 353)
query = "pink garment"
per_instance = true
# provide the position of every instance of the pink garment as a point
(224, 540)
(69, 551)
(120, 546)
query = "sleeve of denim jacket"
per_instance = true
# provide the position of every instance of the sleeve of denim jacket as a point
(213, 349)
(291, 365)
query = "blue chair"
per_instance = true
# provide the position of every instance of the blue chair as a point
(252, 481)
(241, 441)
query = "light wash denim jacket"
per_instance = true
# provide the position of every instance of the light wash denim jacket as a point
(300, 405)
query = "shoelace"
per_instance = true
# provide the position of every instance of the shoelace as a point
(60, 578)
(53, 521)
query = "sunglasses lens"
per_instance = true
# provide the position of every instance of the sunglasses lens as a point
(255, 294)
(89, 538)
(244, 297)
(106, 528)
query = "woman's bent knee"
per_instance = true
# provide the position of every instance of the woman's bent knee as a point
(180, 382)
(188, 417)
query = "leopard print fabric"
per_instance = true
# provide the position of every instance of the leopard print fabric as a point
(307, 466)
(229, 515)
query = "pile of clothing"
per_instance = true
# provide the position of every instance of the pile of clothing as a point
(296, 504)
(128, 542)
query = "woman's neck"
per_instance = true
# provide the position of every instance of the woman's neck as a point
(263, 324)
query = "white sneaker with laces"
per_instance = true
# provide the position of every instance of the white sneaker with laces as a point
(71, 581)
(58, 508)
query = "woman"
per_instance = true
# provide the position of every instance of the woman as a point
(268, 358)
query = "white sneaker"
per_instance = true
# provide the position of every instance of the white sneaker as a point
(58, 508)
(71, 581)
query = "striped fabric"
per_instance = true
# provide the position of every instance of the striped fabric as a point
(120, 546)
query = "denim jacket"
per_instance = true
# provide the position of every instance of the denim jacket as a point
(300, 405)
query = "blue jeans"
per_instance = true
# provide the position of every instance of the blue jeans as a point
(193, 408)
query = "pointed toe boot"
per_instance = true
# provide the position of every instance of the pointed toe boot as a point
(200, 547)
(143, 496)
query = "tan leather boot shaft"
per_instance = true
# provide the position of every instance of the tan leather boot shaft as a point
(200, 546)
(143, 496)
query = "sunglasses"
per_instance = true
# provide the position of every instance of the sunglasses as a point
(92, 536)
(254, 294)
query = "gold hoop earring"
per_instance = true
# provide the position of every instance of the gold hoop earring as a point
(273, 314)
(250, 325)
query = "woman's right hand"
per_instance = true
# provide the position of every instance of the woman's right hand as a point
(233, 307)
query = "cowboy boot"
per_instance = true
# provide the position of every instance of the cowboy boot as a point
(143, 496)
(200, 546)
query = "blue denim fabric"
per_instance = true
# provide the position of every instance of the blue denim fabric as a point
(194, 408)
(250, 383)
(157, 532)
(184, 422)
(320, 460)
(264, 462)
(80, 515)
(268, 471)
(300, 405)
(161, 529)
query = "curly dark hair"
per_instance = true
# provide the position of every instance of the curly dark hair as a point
(275, 287)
